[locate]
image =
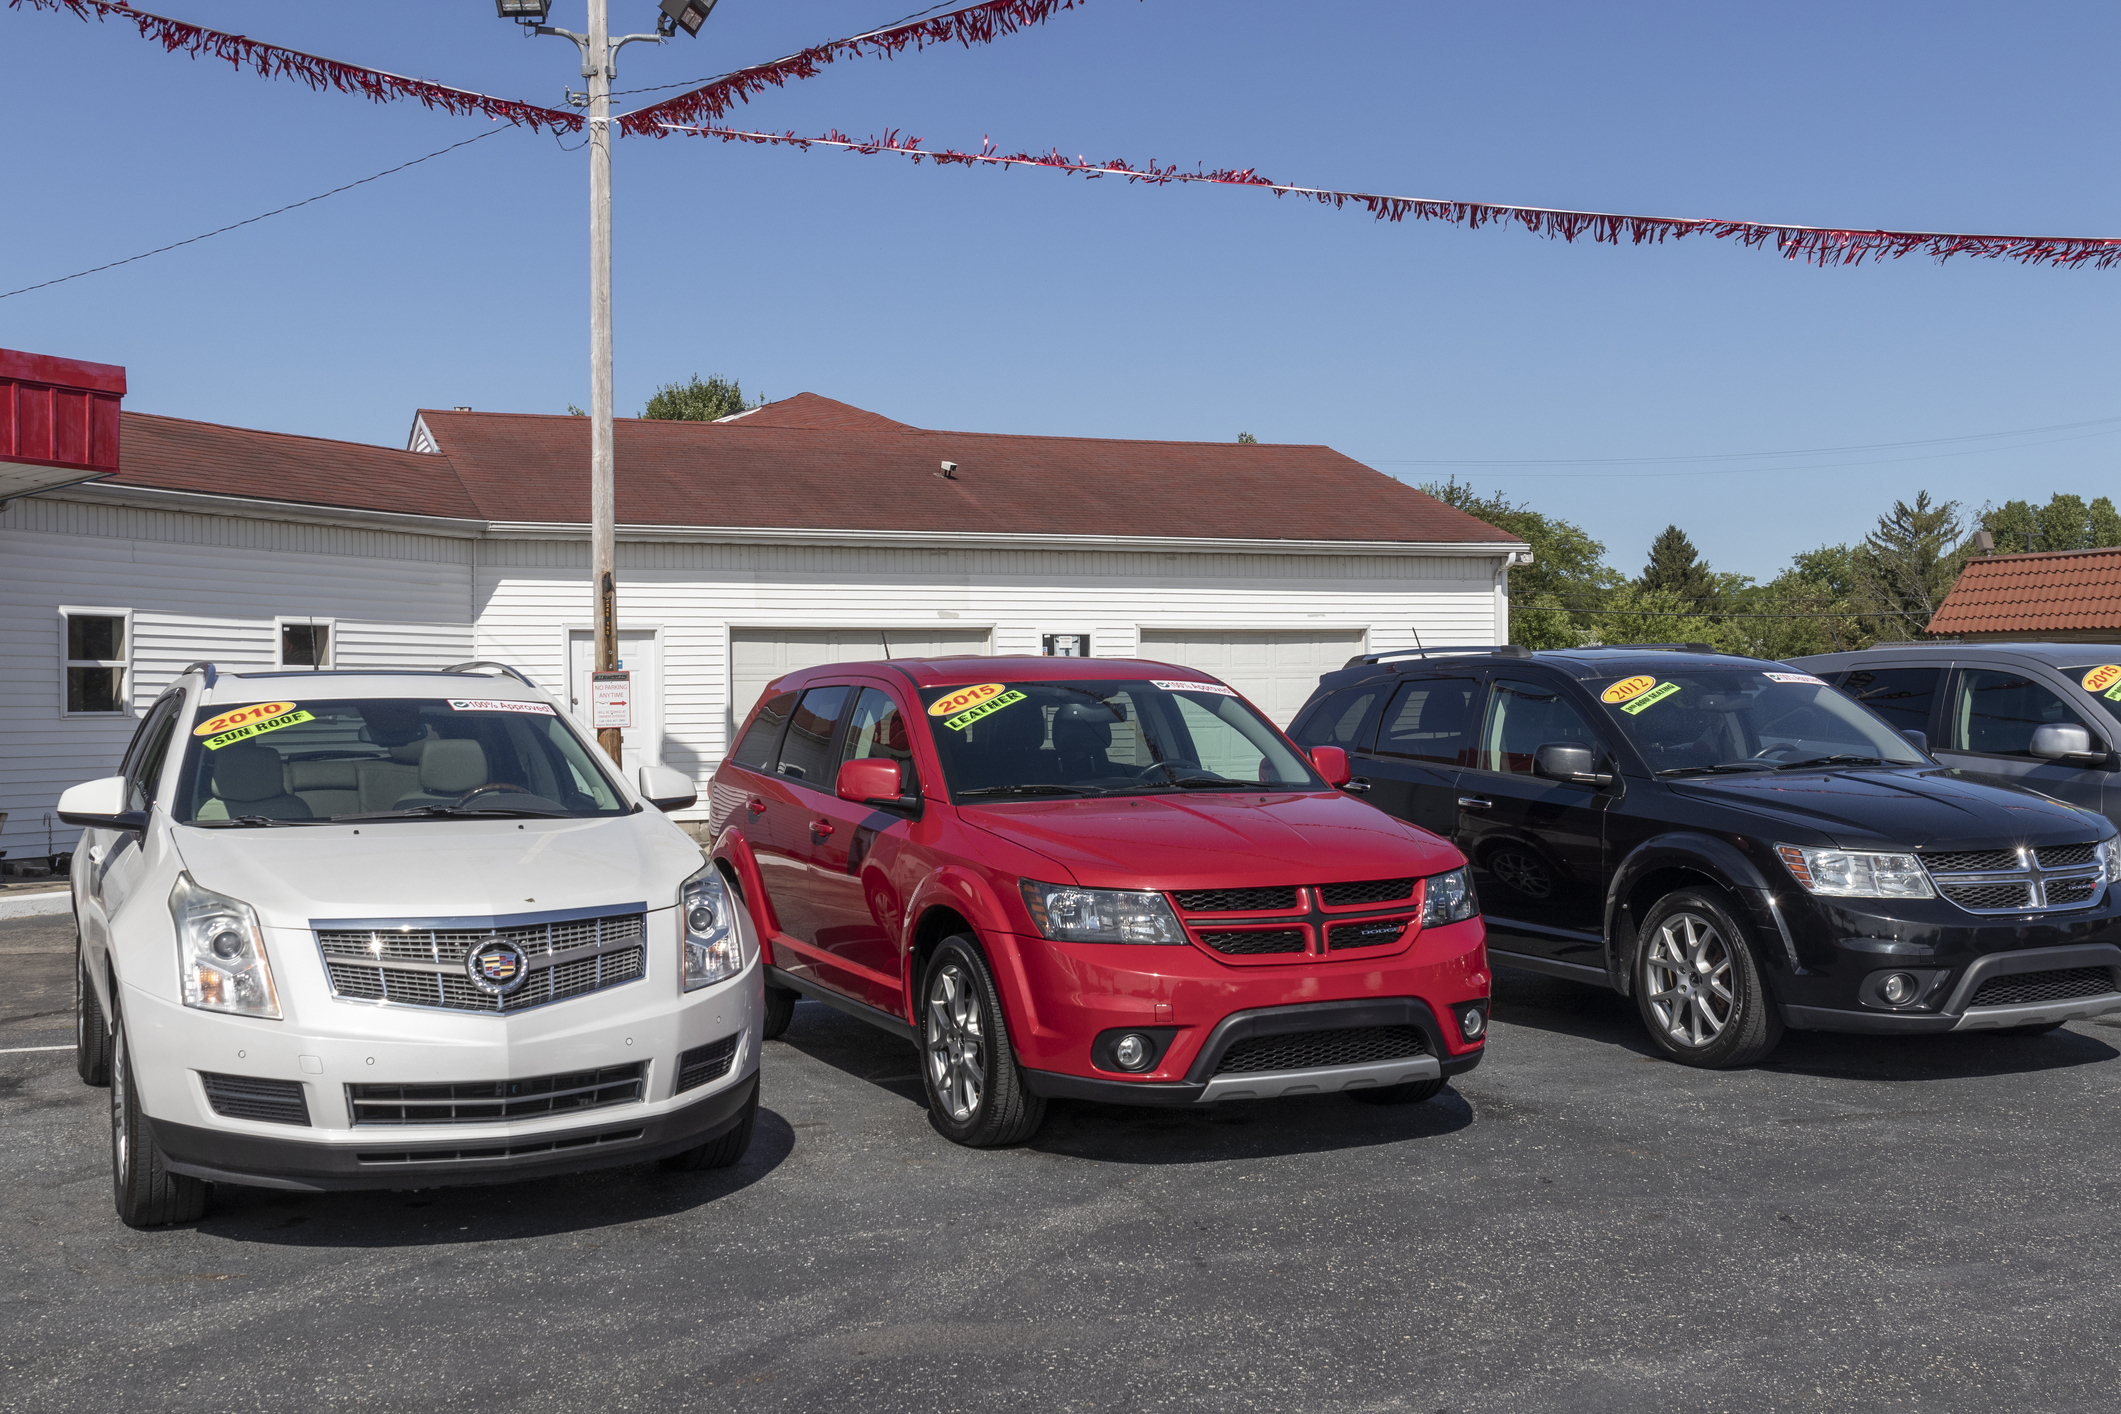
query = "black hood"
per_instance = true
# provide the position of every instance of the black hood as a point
(1926, 808)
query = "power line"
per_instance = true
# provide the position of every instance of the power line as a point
(255, 219)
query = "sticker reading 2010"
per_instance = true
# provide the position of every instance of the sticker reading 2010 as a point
(228, 728)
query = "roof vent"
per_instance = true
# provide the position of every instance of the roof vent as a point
(462, 408)
(949, 471)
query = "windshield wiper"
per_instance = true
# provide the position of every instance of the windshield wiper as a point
(457, 812)
(1029, 790)
(1720, 768)
(1196, 782)
(1844, 758)
(252, 822)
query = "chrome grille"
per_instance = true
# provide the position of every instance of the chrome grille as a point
(2029, 988)
(569, 958)
(2022, 880)
(1248, 941)
(1308, 1050)
(1236, 900)
(1370, 891)
(496, 1101)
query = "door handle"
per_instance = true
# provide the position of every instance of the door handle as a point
(756, 806)
(1474, 802)
(1356, 785)
(820, 827)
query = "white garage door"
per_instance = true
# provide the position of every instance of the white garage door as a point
(1275, 671)
(759, 655)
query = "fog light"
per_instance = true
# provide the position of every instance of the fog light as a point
(1132, 1052)
(1471, 1023)
(1898, 989)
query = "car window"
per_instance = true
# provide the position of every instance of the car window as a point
(1710, 718)
(762, 740)
(1339, 719)
(1522, 717)
(1903, 696)
(144, 776)
(1995, 710)
(805, 750)
(1428, 721)
(2103, 682)
(877, 730)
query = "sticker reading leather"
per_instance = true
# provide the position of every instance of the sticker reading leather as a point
(985, 709)
(1628, 687)
(214, 726)
(250, 729)
(1651, 698)
(2104, 676)
(958, 701)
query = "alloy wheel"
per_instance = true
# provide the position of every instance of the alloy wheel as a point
(120, 1082)
(957, 1042)
(1688, 974)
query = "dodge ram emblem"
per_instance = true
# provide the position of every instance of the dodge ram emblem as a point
(497, 968)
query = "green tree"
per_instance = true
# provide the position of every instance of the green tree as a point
(1568, 568)
(1907, 565)
(1247, 439)
(1676, 568)
(2066, 522)
(697, 401)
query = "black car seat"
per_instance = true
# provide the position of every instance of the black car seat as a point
(248, 779)
(1082, 741)
(1005, 748)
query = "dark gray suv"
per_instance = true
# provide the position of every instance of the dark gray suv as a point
(2046, 716)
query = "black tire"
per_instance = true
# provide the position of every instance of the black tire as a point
(725, 1148)
(1698, 985)
(147, 1193)
(780, 1010)
(91, 1035)
(976, 1091)
(1414, 1092)
(2038, 1028)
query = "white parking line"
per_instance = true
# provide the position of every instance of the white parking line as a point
(25, 1050)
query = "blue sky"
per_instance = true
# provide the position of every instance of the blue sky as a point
(1024, 301)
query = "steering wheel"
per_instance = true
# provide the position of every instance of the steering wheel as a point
(1168, 768)
(493, 788)
(1775, 753)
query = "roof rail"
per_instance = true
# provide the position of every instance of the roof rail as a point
(1670, 647)
(1503, 650)
(204, 665)
(496, 667)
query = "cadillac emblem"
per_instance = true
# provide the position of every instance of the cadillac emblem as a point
(497, 968)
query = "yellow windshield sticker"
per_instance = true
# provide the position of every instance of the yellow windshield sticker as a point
(214, 726)
(1651, 698)
(985, 709)
(964, 697)
(247, 730)
(1628, 687)
(2101, 678)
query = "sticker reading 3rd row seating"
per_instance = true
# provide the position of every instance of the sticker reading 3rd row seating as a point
(1651, 698)
(988, 708)
(2105, 678)
(246, 722)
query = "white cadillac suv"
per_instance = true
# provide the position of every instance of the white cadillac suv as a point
(398, 929)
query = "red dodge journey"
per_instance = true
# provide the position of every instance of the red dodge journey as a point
(1096, 878)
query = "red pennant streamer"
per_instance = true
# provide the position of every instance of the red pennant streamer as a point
(974, 24)
(272, 62)
(1819, 245)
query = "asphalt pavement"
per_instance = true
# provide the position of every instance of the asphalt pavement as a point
(1577, 1225)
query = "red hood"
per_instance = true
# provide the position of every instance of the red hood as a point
(1217, 841)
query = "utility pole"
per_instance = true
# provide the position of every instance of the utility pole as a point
(603, 491)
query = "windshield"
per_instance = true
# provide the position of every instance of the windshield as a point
(297, 761)
(1102, 737)
(2103, 682)
(1722, 719)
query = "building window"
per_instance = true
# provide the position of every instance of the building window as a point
(305, 643)
(96, 645)
(1067, 645)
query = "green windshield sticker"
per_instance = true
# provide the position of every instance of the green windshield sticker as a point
(2112, 694)
(985, 709)
(251, 729)
(1651, 698)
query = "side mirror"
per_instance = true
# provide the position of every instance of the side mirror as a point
(1919, 740)
(1569, 761)
(2064, 741)
(100, 805)
(874, 781)
(668, 789)
(1332, 763)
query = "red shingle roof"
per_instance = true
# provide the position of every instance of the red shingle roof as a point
(810, 463)
(2062, 591)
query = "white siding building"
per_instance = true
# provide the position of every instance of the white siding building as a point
(807, 532)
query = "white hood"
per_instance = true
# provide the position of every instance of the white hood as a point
(440, 868)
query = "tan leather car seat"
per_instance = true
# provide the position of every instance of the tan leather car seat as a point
(448, 768)
(381, 783)
(330, 787)
(249, 780)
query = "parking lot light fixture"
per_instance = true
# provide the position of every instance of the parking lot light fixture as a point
(688, 15)
(523, 12)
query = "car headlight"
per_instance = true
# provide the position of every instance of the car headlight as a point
(1072, 915)
(1447, 898)
(714, 950)
(1854, 873)
(2110, 849)
(221, 962)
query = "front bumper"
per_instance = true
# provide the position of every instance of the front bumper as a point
(1951, 1001)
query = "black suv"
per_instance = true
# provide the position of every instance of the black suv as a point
(1732, 842)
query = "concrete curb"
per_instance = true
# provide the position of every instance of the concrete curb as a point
(30, 905)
